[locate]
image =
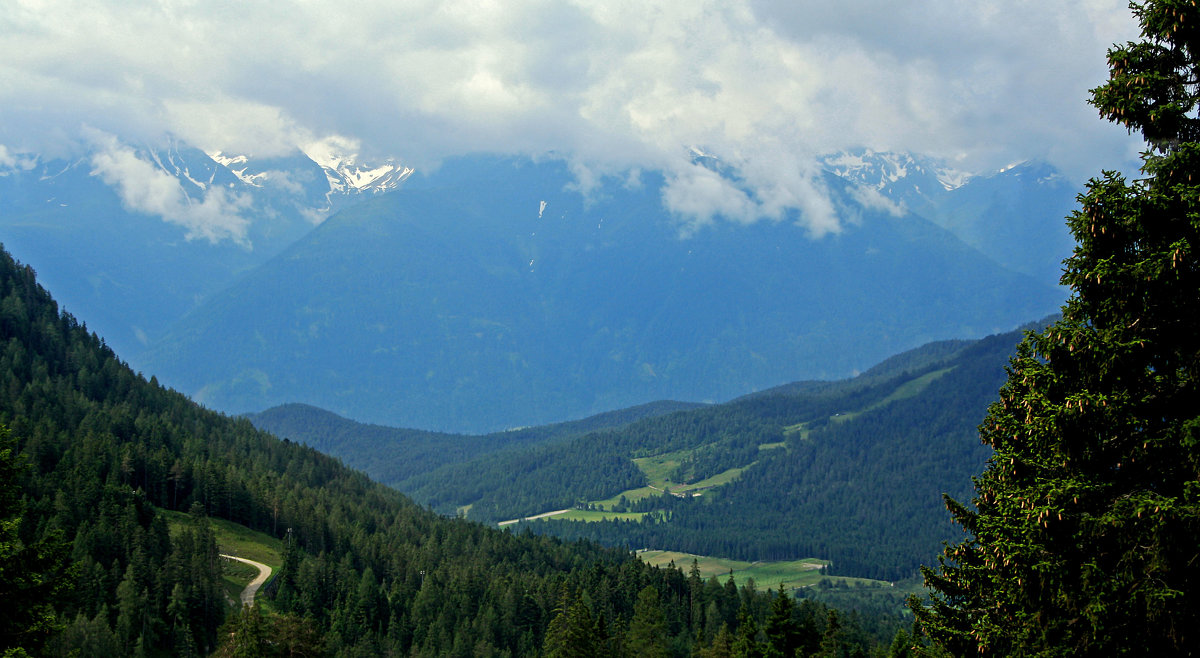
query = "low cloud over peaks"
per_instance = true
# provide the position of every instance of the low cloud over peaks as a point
(766, 85)
(215, 215)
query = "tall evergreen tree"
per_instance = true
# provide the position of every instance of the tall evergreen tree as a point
(648, 627)
(783, 632)
(572, 632)
(1084, 537)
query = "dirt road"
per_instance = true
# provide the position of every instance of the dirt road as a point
(264, 572)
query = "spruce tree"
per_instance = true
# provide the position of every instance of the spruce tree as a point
(1084, 533)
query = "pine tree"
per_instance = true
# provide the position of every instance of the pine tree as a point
(783, 633)
(648, 628)
(746, 645)
(572, 632)
(1085, 533)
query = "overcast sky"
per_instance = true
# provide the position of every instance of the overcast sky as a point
(610, 84)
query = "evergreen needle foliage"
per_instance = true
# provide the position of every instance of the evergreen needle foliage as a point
(1083, 535)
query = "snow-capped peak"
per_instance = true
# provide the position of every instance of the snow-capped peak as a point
(339, 158)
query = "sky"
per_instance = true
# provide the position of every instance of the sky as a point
(612, 86)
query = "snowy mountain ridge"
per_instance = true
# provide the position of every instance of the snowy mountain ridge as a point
(884, 169)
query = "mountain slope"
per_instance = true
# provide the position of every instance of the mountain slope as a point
(859, 478)
(463, 303)
(1016, 215)
(850, 470)
(393, 455)
(365, 571)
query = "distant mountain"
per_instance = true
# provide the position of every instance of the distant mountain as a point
(1016, 216)
(488, 295)
(132, 237)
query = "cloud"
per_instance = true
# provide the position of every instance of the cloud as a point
(10, 162)
(613, 85)
(144, 188)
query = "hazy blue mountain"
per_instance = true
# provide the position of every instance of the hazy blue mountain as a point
(111, 259)
(1016, 216)
(488, 295)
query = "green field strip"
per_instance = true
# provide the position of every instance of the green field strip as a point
(791, 574)
(798, 428)
(597, 515)
(767, 575)
(631, 495)
(724, 477)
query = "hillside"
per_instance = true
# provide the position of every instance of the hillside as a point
(848, 470)
(92, 569)
(859, 482)
(393, 455)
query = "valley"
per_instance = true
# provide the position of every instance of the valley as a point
(582, 330)
(825, 469)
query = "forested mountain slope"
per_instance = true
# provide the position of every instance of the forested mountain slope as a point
(863, 489)
(850, 470)
(392, 455)
(91, 569)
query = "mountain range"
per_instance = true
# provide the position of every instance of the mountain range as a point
(132, 238)
(490, 293)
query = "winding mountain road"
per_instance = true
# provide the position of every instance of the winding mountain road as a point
(264, 572)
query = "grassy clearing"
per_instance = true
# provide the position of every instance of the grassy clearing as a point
(724, 477)
(773, 446)
(767, 575)
(235, 539)
(798, 428)
(659, 467)
(631, 495)
(709, 566)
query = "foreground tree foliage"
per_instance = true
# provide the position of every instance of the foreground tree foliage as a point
(1084, 535)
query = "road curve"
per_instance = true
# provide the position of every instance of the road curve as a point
(264, 572)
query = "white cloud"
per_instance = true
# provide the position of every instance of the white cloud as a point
(612, 84)
(143, 187)
(10, 162)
